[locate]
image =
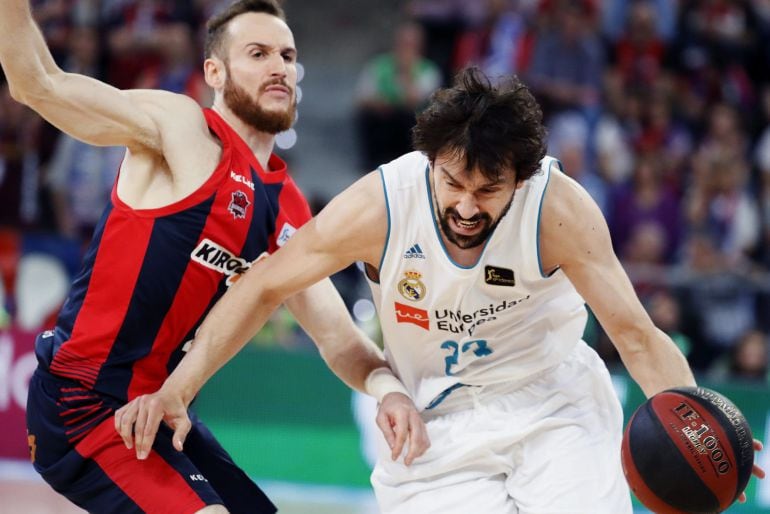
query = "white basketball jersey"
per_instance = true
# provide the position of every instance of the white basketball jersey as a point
(445, 324)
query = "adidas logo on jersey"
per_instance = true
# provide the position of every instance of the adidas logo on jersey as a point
(415, 252)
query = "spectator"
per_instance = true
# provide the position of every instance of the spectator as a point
(747, 362)
(720, 204)
(568, 142)
(640, 51)
(137, 33)
(391, 87)
(566, 65)
(178, 70)
(666, 314)
(719, 300)
(496, 46)
(749, 358)
(19, 129)
(646, 200)
(81, 178)
(616, 12)
(442, 22)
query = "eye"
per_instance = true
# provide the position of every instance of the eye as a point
(257, 54)
(288, 57)
(489, 190)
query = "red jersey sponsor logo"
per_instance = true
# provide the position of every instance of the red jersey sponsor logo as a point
(216, 257)
(409, 314)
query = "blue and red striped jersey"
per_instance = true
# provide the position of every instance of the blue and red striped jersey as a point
(150, 276)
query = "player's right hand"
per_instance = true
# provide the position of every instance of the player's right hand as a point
(137, 422)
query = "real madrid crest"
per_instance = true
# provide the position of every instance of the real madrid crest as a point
(412, 287)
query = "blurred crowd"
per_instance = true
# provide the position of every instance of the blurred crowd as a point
(659, 108)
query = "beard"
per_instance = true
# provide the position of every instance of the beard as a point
(251, 113)
(465, 242)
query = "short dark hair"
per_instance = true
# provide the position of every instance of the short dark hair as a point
(217, 25)
(493, 127)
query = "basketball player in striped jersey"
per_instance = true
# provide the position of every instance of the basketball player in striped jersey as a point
(199, 198)
(481, 254)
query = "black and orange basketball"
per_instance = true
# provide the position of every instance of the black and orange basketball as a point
(687, 450)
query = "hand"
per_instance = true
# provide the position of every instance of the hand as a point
(137, 422)
(757, 471)
(398, 419)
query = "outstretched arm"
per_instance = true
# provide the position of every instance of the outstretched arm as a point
(357, 360)
(81, 106)
(351, 228)
(575, 237)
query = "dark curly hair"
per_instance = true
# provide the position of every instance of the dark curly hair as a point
(495, 128)
(217, 25)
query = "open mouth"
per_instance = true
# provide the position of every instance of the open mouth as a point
(467, 226)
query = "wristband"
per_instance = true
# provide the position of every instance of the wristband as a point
(381, 382)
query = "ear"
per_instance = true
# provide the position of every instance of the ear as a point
(215, 72)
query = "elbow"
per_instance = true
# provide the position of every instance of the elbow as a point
(635, 339)
(32, 90)
(270, 297)
(16, 93)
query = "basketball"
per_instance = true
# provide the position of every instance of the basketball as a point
(687, 450)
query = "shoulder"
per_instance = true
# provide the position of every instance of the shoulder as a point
(412, 161)
(355, 222)
(565, 196)
(167, 108)
(165, 101)
(180, 120)
(570, 220)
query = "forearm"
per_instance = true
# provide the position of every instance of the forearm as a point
(656, 364)
(235, 318)
(24, 56)
(347, 351)
(353, 359)
(345, 348)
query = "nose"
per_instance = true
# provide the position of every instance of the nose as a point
(467, 206)
(277, 65)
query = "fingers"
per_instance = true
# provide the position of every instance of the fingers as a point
(419, 442)
(756, 470)
(124, 423)
(181, 429)
(146, 426)
(383, 421)
(400, 426)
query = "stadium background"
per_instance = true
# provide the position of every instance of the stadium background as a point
(662, 112)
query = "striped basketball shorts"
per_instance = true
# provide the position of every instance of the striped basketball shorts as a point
(76, 449)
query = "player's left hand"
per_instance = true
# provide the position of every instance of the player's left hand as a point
(399, 420)
(757, 471)
(137, 422)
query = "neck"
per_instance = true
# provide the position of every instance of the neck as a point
(260, 143)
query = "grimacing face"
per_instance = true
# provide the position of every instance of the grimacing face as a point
(468, 205)
(261, 67)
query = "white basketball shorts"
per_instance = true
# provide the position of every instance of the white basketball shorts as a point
(548, 446)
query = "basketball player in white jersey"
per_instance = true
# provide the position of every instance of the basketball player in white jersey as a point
(481, 255)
